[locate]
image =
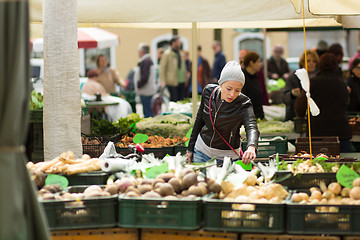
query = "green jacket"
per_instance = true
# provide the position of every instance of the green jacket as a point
(169, 72)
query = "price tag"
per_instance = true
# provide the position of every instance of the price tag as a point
(152, 172)
(247, 167)
(57, 179)
(140, 138)
(345, 176)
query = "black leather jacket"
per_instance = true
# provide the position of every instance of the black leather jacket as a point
(227, 118)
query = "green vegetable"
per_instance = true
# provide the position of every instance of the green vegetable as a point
(36, 101)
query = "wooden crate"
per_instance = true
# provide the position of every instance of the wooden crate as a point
(149, 234)
(96, 234)
(286, 237)
(351, 238)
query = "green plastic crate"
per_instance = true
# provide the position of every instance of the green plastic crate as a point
(36, 116)
(220, 215)
(323, 219)
(182, 214)
(305, 180)
(80, 214)
(91, 178)
(269, 147)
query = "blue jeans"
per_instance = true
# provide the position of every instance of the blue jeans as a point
(146, 102)
(199, 157)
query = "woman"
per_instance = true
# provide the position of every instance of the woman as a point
(293, 87)
(252, 88)
(353, 83)
(216, 131)
(330, 94)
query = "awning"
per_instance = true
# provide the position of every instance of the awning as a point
(87, 38)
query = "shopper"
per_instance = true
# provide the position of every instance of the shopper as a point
(222, 112)
(353, 83)
(219, 61)
(293, 87)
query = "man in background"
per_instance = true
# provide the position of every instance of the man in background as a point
(172, 70)
(219, 61)
(146, 80)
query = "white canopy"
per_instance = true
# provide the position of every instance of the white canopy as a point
(173, 11)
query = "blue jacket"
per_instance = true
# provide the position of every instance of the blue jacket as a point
(218, 65)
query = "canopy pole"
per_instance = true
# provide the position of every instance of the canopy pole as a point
(265, 57)
(194, 71)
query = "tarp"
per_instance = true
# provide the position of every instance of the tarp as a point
(87, 38)
(160, 11)
(21, 216)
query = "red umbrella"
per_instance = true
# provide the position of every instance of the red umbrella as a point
(87, 38)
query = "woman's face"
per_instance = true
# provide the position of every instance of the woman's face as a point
(256, 65)
(311, 63)
(230, 90)
(356, 70)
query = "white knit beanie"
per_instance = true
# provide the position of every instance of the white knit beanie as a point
(232, 72)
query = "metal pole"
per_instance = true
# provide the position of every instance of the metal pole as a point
(194, 71)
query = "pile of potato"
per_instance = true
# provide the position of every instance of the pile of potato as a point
(167, 185)
(55, 192)
(253, 190)
(333, 194)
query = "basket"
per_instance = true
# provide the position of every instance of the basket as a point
(268, 147)
(286, 237)
(182, 214)
(94, 151)
(305, 180)
(221, 215)
(36, 116)
(158, 152)
(327, 145)
(289, 158)
(300, 125)
(323, 219)
(354, 124)
(79, 214)
(91, 178)
(180, 148)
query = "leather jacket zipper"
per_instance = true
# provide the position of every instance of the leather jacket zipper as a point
(231, 134)
(212, 138)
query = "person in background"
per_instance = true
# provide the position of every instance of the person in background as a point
(172, 70)
(145, 87)
(92, 85)
(321, 47)
(219, 61)
(108, 77)
(252, 87)
(188, 78)
(329, 91)
(337, 50)
(356, 55)
(261, 77)
(277, 65)
(242, 54)
(159, 53)
(353, 83)
(204, 71)
(223, 111)
(293, 87)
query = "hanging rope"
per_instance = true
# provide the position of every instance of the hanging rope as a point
(306, 67)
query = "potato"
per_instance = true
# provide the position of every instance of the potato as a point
(92, 188)
(166, 189)
(132, 194)
(316, 195)
(296, 197)
(335, 188)
(251, 180)
(195, 190)
(189, 180)
(151, 194)
(345, 192)
(166, 176)
(214, 187)
(184, 171)
(355, 193)
(112, 189)
(175, 183)
(356, 182)
(144, 188)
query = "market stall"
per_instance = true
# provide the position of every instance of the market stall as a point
(262, 208)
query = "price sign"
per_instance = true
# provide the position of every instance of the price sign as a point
(345, 176)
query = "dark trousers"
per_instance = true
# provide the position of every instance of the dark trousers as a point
(146, 103)
(173, 93)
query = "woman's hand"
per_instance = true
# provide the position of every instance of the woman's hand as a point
(249, 155)
(189, 156)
